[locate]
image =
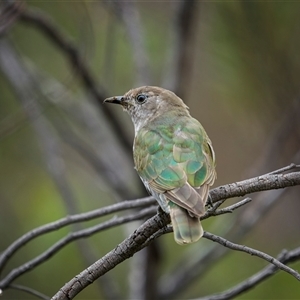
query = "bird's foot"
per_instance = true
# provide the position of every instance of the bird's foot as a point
(160, 210)
(213, 206)
(210, 202)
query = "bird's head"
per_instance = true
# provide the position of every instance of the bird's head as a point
(147, 103)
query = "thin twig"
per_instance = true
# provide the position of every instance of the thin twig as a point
(290, 167)
(227, 209)
(251, 251)
(29, 291)
(285, 257)
(157, 234)
(23, 240)
(84, 233)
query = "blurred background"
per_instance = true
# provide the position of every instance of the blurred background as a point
(235, 64)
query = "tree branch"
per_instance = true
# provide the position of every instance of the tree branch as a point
(128, 12)
(73, 236)
(290, 167)
(256, 184)
(53, 226)
(251, 251)
(284, 257)
(142, 237)
(9, 12)
(146, 233)
(46, 25)
(180, 54)
(28, 291)
(134, 243)
(191, 268)
(223, 192)
(226, 210)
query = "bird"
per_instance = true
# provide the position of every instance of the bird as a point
(173, 156)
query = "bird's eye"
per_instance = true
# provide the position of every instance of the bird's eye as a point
(141, 98)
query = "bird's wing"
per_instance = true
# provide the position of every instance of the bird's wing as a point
(177, 161)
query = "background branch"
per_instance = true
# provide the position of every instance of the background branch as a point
(251, 251)
(72, 236)
(128, 13)
(284, 257)
(29, 291)
(44, 23)
(179, 58)
(23, 240)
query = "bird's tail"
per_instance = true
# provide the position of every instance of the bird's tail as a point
(186, 229)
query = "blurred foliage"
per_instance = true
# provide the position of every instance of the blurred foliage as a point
(245, 77)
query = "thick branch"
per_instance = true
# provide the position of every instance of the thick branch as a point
(134, 243)
(256, 184)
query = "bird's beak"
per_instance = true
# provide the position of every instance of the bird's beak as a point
(115, 99)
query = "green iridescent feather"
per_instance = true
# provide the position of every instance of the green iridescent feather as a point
(175, 162)
(172, 159)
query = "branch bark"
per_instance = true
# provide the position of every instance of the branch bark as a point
(134, 243)
(142, 236)
(257, 184)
